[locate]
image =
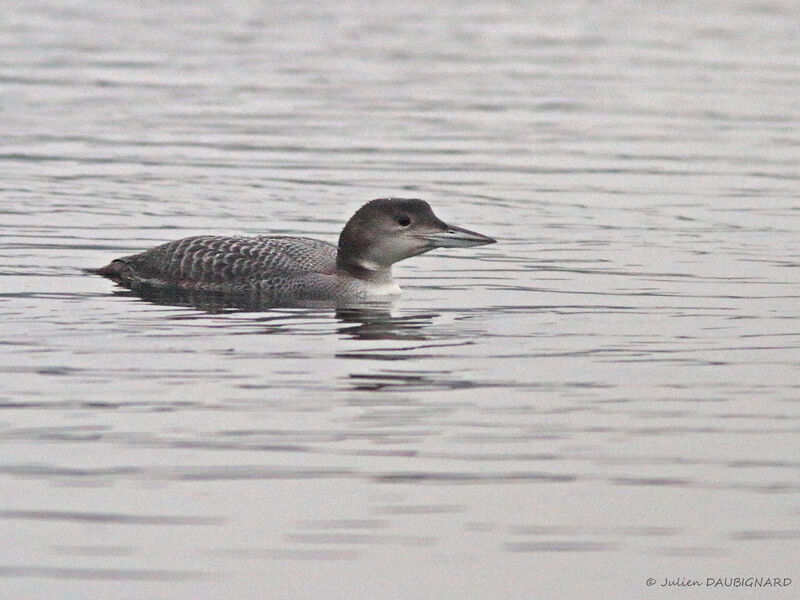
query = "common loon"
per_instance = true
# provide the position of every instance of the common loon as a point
(285, 270)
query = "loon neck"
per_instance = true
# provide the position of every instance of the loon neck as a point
(364, 271)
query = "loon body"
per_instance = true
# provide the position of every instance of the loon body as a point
(285, 270)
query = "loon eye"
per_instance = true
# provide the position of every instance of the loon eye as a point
(403, 221)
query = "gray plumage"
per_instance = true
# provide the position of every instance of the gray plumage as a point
(284, 270)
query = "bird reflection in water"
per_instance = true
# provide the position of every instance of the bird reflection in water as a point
(371, 320)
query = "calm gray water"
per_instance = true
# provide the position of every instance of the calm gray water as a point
(609, 394)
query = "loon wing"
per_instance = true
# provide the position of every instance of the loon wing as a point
(214, 263)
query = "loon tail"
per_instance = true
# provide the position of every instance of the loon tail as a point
(116, 269)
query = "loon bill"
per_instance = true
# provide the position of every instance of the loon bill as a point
(285, 269)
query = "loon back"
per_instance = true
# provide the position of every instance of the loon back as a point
(223, 264)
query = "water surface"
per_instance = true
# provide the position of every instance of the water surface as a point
(608, 394)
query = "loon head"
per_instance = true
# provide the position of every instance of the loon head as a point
(388, 230)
